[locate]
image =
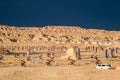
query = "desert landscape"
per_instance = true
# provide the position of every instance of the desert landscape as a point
(58, 53)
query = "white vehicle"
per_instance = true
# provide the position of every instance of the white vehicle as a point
(103, 66)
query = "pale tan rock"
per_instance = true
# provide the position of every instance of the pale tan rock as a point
(71, 52)
(52, 34)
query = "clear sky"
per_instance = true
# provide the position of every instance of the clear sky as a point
(101, 14)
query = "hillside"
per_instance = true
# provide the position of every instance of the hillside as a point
(52, 34)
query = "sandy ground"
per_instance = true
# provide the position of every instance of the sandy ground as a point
(84, 69)
(58, 73)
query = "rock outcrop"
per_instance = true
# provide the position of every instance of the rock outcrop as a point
(52, 34)
(72, 53)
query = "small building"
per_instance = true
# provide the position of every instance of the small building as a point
(94, 42)
(73, 42)
(108, 43)
(87, 42)
(62, 42)
(116, 42)
(79, 42)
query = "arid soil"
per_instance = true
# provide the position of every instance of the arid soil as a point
(84, 69)
(39, 41)
(51, 34)
(58, 73)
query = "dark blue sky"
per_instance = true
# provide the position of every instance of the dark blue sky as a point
(101, 14)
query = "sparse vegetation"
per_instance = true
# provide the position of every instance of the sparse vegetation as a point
(40, 38)
(59, 68)
(8, 35)
(86, 38)
(45, 35)
(18, 35)
(49, 39)
(31, 36)
(3, 34)
(68, 40)
(75, 33)
(1, 40)
(13, 40)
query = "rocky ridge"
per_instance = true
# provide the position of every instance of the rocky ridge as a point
(53, 34)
